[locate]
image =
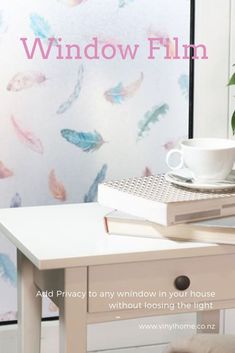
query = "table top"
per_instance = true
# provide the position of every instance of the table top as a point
(74, 235)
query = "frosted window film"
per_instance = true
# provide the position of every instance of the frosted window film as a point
(68, 124)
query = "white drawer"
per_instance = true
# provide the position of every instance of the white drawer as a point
(206, 274)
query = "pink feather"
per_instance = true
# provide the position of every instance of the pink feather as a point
(108, 40)
(133, 87)
(147, 172)
(4, 171)
(56, 187)
(157, 34)
(24, 80)
(169, 145)
(72, 3)
(174, 143)
(27, 137)
(120, 93)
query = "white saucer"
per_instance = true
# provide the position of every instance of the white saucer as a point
(185, 173)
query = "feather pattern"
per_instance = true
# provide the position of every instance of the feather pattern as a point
(151, 117)
(4, 171)
(87, 141)
(40, 27)
(103, 40)
(16, 201)
(184, 85)
(119, 93)
(152, 33)
(92, 192)
(72, 3)
(24, 80)
(123, 3)
(27, 137)
(56, 187)
(174, 143)
(3, 22)
(147, 172)
(7, 269)
(75, 94)
(169, 145)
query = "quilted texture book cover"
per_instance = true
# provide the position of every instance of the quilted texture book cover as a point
(157, 200)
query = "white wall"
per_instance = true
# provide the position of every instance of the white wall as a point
(211, 113)
(232, 61)
(214, 101)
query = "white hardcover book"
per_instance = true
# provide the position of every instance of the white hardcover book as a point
(155, 199)
(220, 231)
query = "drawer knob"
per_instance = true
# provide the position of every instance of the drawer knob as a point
(182, 283)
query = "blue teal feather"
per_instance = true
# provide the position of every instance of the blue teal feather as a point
(119, 93)
(76, 92)
(151, 117)
(40, 27)
(16, 201)
(91, 195)
(184, 85)
(115, 95)
(7, 269)
(87, 141)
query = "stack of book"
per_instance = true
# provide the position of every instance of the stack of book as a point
(152, 207)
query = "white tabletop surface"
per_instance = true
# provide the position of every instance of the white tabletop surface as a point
(74, 235)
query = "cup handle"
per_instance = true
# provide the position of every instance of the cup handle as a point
(170, 154)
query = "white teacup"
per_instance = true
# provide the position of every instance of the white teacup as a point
(207, 158)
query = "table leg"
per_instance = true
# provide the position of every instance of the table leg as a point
(209, 321)
(29, 307)
(73, 310)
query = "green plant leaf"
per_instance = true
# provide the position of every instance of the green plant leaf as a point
(232, 80)
(233, 123)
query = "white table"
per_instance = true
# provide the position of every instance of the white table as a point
(66, 248)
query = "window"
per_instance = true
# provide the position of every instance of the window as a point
(104, 102)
